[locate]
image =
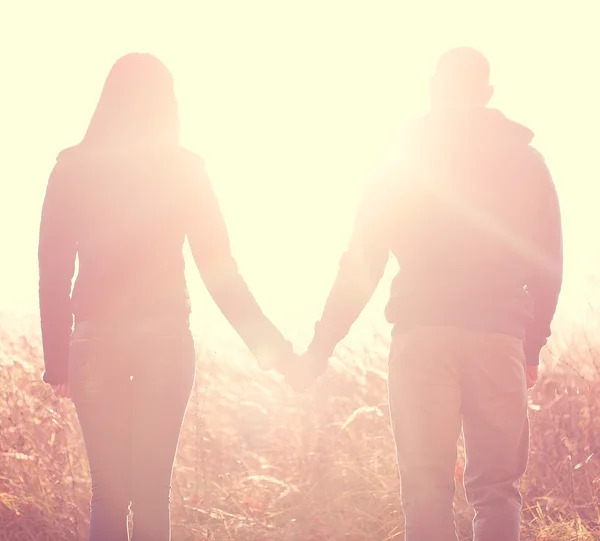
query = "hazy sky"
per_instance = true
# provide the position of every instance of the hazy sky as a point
(292, 104)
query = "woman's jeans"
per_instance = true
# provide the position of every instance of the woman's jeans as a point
(131, 384)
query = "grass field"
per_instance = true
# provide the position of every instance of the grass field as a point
(258, 462)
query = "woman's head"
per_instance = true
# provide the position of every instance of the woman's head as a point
(137, 104)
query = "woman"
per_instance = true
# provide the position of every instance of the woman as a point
(122, 202)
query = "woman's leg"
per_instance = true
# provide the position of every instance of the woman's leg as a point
(101, 389)
(162, 385)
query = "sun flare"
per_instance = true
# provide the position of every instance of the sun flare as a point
(292, 111)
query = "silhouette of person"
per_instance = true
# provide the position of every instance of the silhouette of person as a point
(122, 202)
(471, 213)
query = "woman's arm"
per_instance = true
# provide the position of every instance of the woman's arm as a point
(57, 251)
(209, 242)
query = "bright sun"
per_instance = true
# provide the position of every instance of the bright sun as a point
(292, 108)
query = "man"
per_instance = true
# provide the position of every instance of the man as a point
(471, 214)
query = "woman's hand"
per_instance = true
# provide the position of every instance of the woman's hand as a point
(62, 390)
(302, 371)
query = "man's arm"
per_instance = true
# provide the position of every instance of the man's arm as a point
(545, 282)
(360, 270)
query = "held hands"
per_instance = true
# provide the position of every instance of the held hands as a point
(302, 371)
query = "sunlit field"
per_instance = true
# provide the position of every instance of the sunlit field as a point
(258, 462)
(293, 106)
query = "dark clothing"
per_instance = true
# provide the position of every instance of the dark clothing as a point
(471, 214)
(126, 215)
(130, 384)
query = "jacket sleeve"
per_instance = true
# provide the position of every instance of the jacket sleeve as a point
(209, 241)
(545, 281)
(57, 251)
(360, 269)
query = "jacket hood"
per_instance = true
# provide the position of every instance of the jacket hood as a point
(68, 153)
(476, 127)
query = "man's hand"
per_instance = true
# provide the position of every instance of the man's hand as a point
(531, 373)
(303, 371)
(62, 390)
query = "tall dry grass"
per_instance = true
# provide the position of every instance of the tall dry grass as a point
(258, 462)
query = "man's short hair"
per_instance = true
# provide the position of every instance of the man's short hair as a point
(462, 74)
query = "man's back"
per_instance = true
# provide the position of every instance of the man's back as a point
(469, 203)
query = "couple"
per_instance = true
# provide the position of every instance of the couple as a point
(470, 212)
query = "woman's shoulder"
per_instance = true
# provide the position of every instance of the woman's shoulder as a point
(69, 156)
(190, 164)
(64, 165)
(177, 160)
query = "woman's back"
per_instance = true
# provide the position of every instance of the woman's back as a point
(123, 201)
(126, 213)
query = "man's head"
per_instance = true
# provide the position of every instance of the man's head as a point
(461, 79)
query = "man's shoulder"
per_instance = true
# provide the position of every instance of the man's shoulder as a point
(385, 179)
(191, 156)
(536, 168)
(537, 156)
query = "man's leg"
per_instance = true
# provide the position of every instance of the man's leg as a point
(496, 433)
(425, 403)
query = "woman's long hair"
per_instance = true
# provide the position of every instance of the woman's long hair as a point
(137, 105)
